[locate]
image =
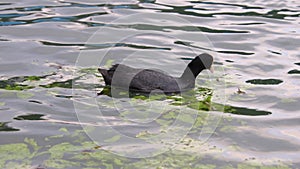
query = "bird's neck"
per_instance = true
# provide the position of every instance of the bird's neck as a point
(187, 79)
(191, 71)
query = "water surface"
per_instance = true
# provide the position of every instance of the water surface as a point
(256, 47)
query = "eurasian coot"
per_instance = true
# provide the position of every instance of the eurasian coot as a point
(147, 80)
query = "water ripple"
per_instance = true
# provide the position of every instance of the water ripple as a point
(255, 41)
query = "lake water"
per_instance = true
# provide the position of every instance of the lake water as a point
(244, 115)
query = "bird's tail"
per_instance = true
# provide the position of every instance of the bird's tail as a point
(105, 75)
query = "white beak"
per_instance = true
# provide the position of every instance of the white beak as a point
(211, 69)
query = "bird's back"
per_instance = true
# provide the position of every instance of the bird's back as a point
(148, 80)
(141, 80)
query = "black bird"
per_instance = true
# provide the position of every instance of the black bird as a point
(147, 80)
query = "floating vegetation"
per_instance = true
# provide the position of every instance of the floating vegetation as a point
(4, 127)
(46, 81)
(30, 117)
(265, 81)
(15, 83)
(77, 153)
(12, 83)
(14, 86)
(65, 84)
(189, 99)
(294, 71)
(198, 99)
(245, 111)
